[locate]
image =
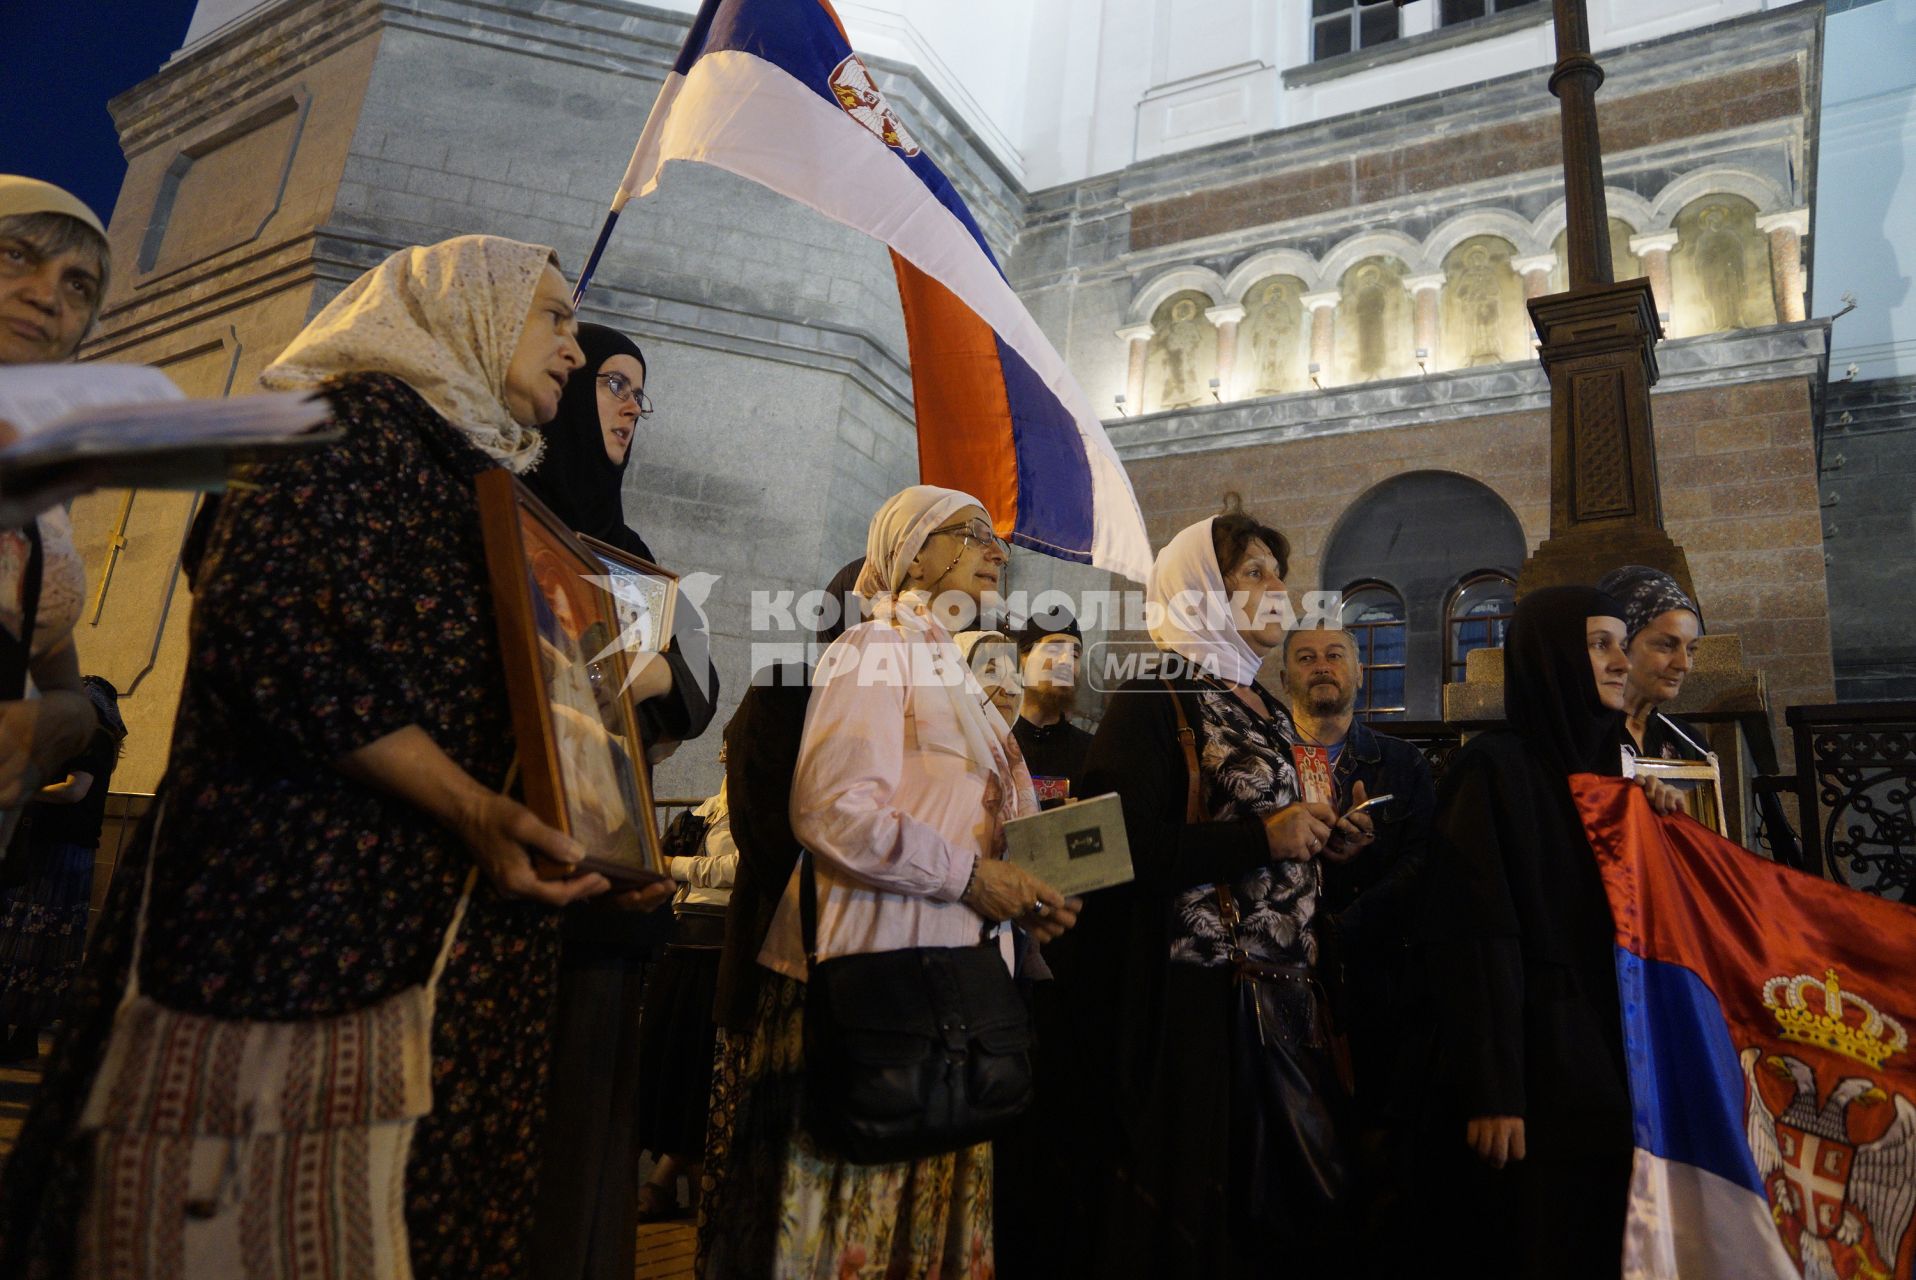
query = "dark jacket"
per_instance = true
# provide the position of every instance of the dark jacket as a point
(761, 754)
(1367, 908)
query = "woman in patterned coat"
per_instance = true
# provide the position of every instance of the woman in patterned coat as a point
(342, 739)
(1156, 993)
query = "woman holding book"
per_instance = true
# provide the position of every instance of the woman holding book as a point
(903, 785)
(337, 774)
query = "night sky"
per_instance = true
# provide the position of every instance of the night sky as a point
(60, 62)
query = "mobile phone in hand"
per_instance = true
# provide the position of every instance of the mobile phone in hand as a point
(1365, 807)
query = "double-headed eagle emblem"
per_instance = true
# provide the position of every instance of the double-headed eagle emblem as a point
(857, 92)
(1839, 1165)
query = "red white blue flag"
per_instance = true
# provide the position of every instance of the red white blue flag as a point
(1767, 1018)
(771, 90)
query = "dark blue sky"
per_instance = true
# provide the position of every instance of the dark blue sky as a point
(60, 62)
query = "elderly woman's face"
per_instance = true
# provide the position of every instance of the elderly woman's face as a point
(1250, 581)
(619, 413)
(1661, 655)
(956, 558)
(547, 353)
(47, 300)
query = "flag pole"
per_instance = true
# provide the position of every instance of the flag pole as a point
(598, 249)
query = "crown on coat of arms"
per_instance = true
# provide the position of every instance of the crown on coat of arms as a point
(1831, 1022)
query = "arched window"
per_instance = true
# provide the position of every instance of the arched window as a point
(1374, 617)
(1477, 614)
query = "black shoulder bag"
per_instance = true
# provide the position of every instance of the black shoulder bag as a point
(909, 1053)
(1288, 1167)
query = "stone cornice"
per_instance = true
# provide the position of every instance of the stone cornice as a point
(1754, 355)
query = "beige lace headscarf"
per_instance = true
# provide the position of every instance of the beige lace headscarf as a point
(442, 318)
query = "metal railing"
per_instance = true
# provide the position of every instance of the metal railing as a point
(1855, 786)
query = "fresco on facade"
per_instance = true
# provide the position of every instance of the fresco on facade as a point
(1274, 340)
(1720, 269)
(1481, 316)
(1373, 338)
(1182, 357)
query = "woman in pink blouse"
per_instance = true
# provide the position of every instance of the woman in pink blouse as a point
(905, 779)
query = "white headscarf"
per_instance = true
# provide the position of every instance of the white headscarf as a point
(20, 194)
(442, 318)
(1193, 607)
(896, 535)
(968, 642)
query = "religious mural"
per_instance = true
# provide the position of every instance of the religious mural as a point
(1373, 338)
(1182, 357)
(1718, 279)
(1274, 339)
(1720, 269)
(1481, 314)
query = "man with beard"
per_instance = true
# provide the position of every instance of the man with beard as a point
(1365, 909)
(1049, 646)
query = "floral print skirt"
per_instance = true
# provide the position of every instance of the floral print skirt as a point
(43, 932)
(777, 1208)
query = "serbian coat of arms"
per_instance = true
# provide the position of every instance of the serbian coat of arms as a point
(1837, 1158)
(857, 92)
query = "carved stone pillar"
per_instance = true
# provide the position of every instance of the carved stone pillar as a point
(1226, 318)
(1599, 348)
(1653, 252)
(1139, 336)
(1535, 271)
(1786, 231)
(1424, 295)
(1323, 309)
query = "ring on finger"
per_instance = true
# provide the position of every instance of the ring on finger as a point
(1040, 909)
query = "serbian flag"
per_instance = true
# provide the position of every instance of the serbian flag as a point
(771, 90)
(1767, 1018)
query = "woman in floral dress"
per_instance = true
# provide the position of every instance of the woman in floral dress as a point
(342, 739)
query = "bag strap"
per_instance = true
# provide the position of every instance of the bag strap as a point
(1193, 813)
(808, 908)
(1187, 739)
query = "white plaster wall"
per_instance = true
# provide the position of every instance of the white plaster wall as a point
(1865, 216)
(1148, 51)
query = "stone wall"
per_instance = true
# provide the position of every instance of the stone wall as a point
(775, 342)
(1869, 488)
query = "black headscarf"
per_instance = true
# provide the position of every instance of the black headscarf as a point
(1550, 694)
(851, 609)
(575, 478)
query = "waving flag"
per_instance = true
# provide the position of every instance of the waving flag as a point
(1767, 1018)
(771, 90)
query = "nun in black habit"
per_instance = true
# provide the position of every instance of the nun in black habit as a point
(1522, 1098)
(588, 1189)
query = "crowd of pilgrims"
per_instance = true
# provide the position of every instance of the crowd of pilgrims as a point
(1301, 1041)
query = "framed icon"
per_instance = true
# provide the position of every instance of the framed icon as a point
(580, 754)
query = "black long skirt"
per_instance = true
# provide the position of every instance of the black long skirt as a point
(676, 1042)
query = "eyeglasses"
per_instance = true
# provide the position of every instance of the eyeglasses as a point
(624, 389)
(978, 532)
